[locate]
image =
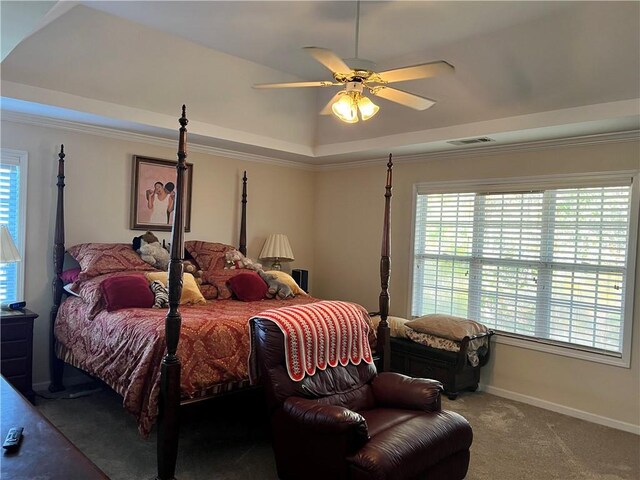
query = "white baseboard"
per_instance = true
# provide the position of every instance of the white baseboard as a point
(556, 407)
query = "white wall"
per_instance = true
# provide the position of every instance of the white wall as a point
(349, 205)
(97, 202)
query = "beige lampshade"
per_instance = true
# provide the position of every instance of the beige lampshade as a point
(278, 247)
(8, 251)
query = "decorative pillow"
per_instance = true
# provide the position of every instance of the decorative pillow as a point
(208, 255)
(397, 325)
(287, 279)
(190, 292)
(219, 279)
(70, 276)
(67, 288)
(127, 291)
(248, 286)
(210, 292)
(446, 326)
(100, 258)
(161, 294)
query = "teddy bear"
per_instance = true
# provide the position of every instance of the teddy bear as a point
(151, 251)
(234, 259)
(192, 268)
(276, 287)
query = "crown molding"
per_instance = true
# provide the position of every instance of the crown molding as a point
(78, 127)
(460, 152)
(486, 150)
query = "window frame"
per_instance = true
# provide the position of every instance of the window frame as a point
(516, 184)
(21, 158)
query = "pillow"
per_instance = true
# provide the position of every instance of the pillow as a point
(446, 326)
(69, 276)
(190, 292)
(67, 288)
(210, 292)
(100, 258)
(288, 280)
(397, 325)
(160, 293)
(208, 255)
(219, 279)
(248, 286)
(127, 291)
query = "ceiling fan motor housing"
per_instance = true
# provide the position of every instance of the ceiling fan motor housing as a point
(355, 86)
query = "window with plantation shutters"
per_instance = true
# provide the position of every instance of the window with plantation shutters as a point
(550, 263)
(12, 214)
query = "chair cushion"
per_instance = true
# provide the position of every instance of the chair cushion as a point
(407, 443)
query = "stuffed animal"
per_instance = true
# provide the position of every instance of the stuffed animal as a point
(151, 251)
(276, 287)
(192, 268)
(234, 259)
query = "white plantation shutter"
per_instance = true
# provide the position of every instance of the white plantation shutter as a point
(547, 263)
(12, 214)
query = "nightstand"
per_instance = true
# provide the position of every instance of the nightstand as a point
(16, 349)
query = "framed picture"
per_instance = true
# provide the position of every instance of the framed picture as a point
(153, 194)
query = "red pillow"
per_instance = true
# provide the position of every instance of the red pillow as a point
(248, 286)
(70, 276)
(127, 291)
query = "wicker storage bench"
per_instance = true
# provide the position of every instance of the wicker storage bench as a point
(453, 369)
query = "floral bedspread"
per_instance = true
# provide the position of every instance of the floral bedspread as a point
(125, 348)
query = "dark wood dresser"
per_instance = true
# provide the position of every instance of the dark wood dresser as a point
(16, 349)
(44, 452)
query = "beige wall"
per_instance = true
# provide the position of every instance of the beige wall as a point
(98, 179)
(333, 219)
(349, 205)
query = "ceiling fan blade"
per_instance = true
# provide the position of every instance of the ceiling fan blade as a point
(424, 70)
(322, 83)
(329, 59)
(327, 108)
(403, 98)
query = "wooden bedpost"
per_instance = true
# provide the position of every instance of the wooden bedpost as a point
(243, 217)
(168, 417)
(384, 342)
(56, 366)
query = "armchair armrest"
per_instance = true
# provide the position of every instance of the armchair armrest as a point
(328, 419)
(400, 391)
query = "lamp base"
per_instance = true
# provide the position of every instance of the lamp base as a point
(276, 265)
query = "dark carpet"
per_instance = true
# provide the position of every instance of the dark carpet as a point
(227, 439)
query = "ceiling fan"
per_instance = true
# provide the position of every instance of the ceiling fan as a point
(360, 76)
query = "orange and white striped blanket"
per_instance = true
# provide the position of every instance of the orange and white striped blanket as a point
(321, 334)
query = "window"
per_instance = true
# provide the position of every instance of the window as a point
(550, 262)
(13, 195)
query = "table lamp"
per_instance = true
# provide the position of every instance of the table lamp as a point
(9, 254)
(277, 248)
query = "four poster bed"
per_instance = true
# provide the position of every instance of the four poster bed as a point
(197, 352)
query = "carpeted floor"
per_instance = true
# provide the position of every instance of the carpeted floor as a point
(227, 439)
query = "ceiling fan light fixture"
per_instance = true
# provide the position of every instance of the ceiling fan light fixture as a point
(367, 108)
(346, 108)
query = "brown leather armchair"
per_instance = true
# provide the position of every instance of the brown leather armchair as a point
(352, 423)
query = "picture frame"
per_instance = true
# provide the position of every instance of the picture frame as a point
(151, 200)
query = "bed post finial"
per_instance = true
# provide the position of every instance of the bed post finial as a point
(168, 422)
(243, 217)
(384, 344)
(55, 364)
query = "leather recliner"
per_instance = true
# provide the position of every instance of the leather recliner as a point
(352, 423)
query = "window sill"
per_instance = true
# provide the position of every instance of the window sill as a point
(565, 351)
